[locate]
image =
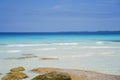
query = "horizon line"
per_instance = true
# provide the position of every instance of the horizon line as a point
(61, 31)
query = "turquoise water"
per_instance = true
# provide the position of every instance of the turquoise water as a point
(96, 51)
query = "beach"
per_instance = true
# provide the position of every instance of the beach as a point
(87, 53)
(73, 74)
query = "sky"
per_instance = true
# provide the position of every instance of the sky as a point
(59, 15)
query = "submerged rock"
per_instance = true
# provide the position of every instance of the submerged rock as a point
(20, 68)
(15, 76)
(53, 76)
(49, 58)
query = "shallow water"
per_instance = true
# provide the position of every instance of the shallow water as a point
(87, 51)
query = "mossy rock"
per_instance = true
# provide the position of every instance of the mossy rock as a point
(15, 76)
(20, 68)
(53, 76)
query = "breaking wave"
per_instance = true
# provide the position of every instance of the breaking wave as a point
(13, 51)
(33, 45)
(95, 47)
(46, 49)
(100, 42)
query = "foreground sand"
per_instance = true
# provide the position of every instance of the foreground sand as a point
(79, 74)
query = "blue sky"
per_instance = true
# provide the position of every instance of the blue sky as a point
(59, 15)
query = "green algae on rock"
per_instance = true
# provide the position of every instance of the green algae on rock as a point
(78, 74)
(53, 76)
(15, 76)
(20, 68)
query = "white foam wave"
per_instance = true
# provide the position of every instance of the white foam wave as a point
(33, 45)
(13, 51)
(45, 49)
(85, 55)
(65, 44)
(100, 42)
(22, 45)
(75, 56)
(95, 47)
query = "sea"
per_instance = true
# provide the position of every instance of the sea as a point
(95, 51)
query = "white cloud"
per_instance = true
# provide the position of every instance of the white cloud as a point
(57, 7)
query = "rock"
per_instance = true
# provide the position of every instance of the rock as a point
(0, 73)
(45, 70)
(20, 68)
(77, 74)
(53, 76)
(15, 76)
(49, 58)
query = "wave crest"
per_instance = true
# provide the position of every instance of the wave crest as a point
(33, 45)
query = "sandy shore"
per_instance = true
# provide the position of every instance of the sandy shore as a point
(79, 74)
(74, 73)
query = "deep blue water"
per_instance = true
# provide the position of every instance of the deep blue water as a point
(58, 37)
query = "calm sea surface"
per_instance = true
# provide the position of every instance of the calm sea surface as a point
(98, 51)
